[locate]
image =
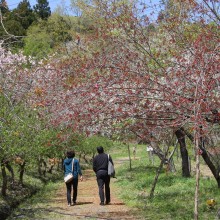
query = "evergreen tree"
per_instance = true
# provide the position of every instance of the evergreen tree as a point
(3, 6)
(42, 9)
(16, 23)
(24, 14)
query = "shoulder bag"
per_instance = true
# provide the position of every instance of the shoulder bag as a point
(111, 169)
(69, 177)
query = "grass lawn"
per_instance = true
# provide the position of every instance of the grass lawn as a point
(173, 195)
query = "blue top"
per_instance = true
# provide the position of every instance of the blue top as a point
(67, 165)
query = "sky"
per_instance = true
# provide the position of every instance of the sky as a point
(52, 3)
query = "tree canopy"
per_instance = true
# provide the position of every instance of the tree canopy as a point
(133, 74)
(42, 9)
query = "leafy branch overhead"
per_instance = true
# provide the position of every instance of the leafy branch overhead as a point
(123, 70)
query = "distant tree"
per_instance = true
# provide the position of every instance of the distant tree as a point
(59, 29)
(15, 24)
(37, 43)
(46, 35)
(11, 31)
(3, 6)
(42, 9)
(14, 27)
(24, 14)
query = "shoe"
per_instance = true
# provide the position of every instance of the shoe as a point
(74, 203)
(69, 204)
(107, 203)
(101, 203)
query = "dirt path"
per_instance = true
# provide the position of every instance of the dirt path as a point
(87, 206)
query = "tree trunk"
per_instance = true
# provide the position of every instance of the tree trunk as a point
(170, 161)
(39, 168)
(196, 213)
(162, 162)
(156, 179)
(4, 178)
(129, 155)
(206, 158)
(84, 157)
(21, 172)
(10, 169)
(171, 165)
(211, 166)
(42, 167)
(50, 169)
(184, 153)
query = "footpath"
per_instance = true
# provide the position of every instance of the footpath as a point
(87, 206)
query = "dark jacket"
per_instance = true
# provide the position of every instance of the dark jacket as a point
(67, 165)
(100, 162)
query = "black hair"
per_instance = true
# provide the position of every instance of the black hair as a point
(100, 149)
(70, 154)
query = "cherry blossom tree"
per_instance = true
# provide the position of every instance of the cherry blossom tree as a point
(154, 76)
(151, 75)
(22, 131)
(144, 73)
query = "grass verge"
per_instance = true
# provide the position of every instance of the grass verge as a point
(173, 196)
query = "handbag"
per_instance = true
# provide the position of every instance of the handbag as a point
(69, 177)
(111, 169)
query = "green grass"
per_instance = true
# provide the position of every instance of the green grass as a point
(173, 195)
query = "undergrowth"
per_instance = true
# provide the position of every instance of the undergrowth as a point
(18, 193)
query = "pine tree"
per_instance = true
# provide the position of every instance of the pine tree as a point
(3, 6)
(24, 14)
(42, 9)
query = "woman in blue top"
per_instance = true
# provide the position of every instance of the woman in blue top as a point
(67, 164)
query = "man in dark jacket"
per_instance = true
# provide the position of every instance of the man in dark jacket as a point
(100, 167)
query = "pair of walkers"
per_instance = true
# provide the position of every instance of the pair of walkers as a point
(100, 167)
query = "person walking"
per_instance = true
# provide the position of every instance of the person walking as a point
(100, 167)
(73, 184)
